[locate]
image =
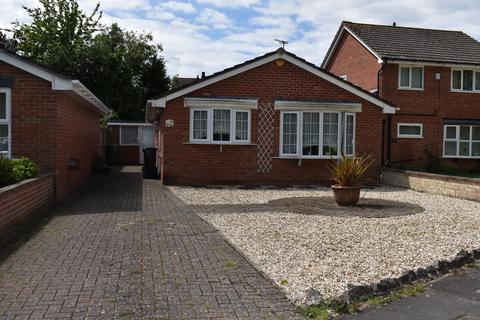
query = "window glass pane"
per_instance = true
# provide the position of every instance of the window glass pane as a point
(349, 125)
(464, 148)
(3, 137)
(404, 77)
(417, 77)
(476, 133)
(289, 133)
(129, 135)
(451, 133)
(241, 125)
(457, 79)
(410, 130)
(330, 134)
(476, 149)
(477, 80)
(450, 148)
(464, 133)
(311, 134)
(200, 124)
(467, 80)
(221, 125)
(3, 105)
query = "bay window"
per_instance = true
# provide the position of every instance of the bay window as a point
(5, 125)
(461, 141)
(410, 77)
(219, 125)
(309, 134)
(465, 80)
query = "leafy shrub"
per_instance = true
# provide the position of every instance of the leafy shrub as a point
(23, 169)
(6, 172)
(348, 171)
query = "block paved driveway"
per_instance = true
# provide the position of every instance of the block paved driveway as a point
(129, 249)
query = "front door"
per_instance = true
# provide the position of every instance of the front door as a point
(147, 140)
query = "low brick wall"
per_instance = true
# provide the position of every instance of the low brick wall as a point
(458, 187)
(22, 201)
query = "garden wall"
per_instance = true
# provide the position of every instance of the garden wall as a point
(22, 201)
(458, 187)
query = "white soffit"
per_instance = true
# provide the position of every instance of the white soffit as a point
(293, 105)
(225, 102)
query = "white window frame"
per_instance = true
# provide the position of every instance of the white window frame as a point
(209, 140)
(8, 120)
(474, 71)
(409, 87)
(129, 144)
(344, 77)
(410, 136)
(345, 134)
(341, 146)
(458, 140)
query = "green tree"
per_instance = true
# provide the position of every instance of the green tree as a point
(121, 67)
(58, 34)
(7, 43)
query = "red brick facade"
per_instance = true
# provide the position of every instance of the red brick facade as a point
(50, 127)
(429, 106)
(123, 155)
(185, 163)
(18, 202)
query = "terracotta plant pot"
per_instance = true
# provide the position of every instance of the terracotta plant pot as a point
(346, 196)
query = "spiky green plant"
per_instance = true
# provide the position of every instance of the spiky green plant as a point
(348, 171)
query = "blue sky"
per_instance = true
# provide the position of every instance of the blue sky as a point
(210, 35)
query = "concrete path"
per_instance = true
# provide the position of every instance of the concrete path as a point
(455, 297)
(127, 248)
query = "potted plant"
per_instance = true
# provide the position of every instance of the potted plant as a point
(346, 174)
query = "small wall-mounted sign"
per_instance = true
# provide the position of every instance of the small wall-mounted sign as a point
(169, 123)
(73, 164)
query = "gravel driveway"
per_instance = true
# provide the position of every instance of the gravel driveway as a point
(327, 252)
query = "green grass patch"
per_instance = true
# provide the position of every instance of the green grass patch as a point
(397, 294)
(231, 264)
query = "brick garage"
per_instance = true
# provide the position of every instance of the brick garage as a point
(50, 119)
(273, 78)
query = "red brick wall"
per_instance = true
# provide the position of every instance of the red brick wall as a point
(429, 107)
(184, 163)
(33, 118)
(352, 59)
(23, 200)
(124, 155)
(78, 137)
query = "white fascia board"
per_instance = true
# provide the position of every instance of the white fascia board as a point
(386, 107)
(317, 106)
(205, 102)
(87, 95)
(434, 64)
(161, 102)
(379, 59)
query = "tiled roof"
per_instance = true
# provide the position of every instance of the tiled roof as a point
(416, 44)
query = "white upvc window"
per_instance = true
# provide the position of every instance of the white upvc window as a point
(410, 77)
(5, 122)
(129, 136)
(461, 141)
(464, 80)
(311, 134)
(219, 125)
(409, 130)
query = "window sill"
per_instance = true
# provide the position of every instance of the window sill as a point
(220, 144)
(464, 91)
(305, 158)
(409, 137)
(461, 157)
(410, 89)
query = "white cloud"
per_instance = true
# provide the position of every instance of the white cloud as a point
(185, 7)
(230, 3)
(214, 18)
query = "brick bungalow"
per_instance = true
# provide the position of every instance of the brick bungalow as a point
(50, 119)
(432, 76)
(276, 119)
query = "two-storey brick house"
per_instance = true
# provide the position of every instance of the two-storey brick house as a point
(432, 76)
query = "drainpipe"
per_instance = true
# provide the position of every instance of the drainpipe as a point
(388, 126)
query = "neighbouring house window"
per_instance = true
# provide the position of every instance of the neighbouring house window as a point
(410, 77)
(129, 135)
(5, 110)
(220, 126)
(461, 141)
(465, 80)
(316, 134)
(410, 130)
